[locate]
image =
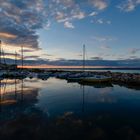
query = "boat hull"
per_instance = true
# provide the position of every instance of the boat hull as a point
(93, 80)
(73, 79)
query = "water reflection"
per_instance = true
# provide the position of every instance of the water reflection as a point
(57, 110)
(19, 118)
(97, 85)
(15, 90)
(15, 97)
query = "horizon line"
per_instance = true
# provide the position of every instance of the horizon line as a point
(74, 67)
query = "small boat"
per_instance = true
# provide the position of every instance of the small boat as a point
(75, 77)
(63, 75)
(96, 79)
(43, 76)
(32, 75)
(17, 75)
(93, 78)
(78, 76)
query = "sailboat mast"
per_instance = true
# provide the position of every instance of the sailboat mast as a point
(15, 58)
(0, 51)
(84, 58)
(22, 56)
(0, 96)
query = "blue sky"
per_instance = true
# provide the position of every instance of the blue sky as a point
(57, 29)
(111, 34)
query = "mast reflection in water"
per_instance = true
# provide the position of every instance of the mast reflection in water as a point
(57, 110)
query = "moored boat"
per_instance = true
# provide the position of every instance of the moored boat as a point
(43, 76)
(96, 79)
(75, 77)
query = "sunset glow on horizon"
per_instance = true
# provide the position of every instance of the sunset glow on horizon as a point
(67, 67)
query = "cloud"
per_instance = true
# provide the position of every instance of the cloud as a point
(48, 25)
(93, 14)
(105, 47)
(68, 24)
(129, 5)
(27, 50)
(99, 4)
(96, 58)
(103, 38)
(66, 10)
(12, 55)
(133, 57)
(20, 20)
(18, 55)
(134, 50)
(7, 35)
(32, 57)
(46, 54)
(108, 22)
(61, 59)
(101, 21)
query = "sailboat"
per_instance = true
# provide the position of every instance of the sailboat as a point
(79, 76)
(85, 77)
(95, 78)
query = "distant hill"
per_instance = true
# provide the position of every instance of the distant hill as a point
(117, 63)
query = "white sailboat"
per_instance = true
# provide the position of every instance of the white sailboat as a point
(95, 78)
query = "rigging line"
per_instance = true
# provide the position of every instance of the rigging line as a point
(22, 56)
(84, 57)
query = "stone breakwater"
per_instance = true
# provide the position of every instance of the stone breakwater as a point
(117, 77)
(122, 78)
(129, 78)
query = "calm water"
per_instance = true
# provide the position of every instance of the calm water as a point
(57, 110)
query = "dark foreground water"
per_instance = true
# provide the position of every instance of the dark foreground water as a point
(57, 110)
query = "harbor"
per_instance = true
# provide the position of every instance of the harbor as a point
(69, 70)
(83, 76)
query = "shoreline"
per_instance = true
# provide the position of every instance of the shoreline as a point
(119, 78)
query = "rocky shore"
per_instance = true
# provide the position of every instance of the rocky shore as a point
(131, 79)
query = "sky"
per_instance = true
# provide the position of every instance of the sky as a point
(56, 30)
